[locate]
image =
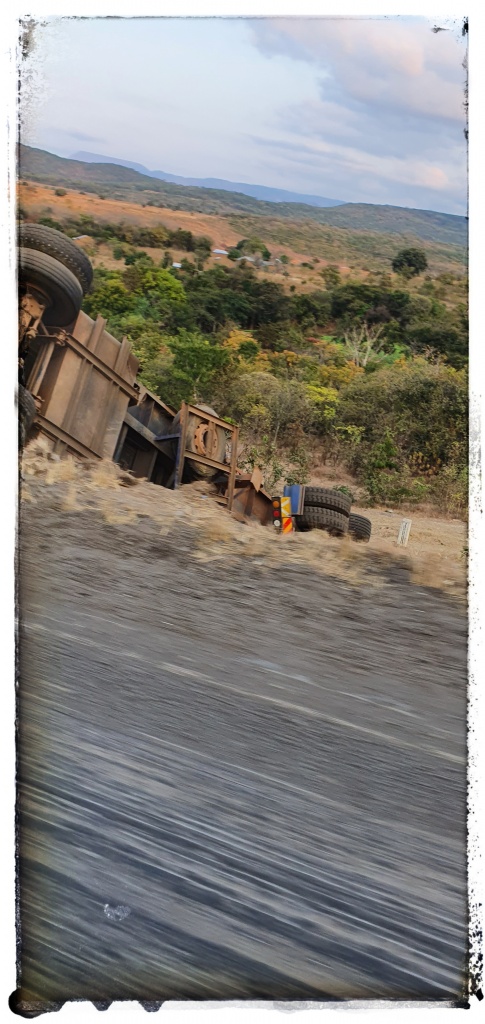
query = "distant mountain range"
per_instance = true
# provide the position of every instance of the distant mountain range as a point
(126, 183)
(269, 195)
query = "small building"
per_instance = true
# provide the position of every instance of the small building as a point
(220, 252)
(178, 266)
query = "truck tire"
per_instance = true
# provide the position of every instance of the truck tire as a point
(323, 519)
(196, 470)
(61, 248)
(27, 412)
(324, 497)
(360, 527)
(57, 284)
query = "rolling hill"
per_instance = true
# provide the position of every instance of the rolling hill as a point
(124, 183)
(270, 195)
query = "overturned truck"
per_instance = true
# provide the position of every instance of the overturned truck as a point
(78, 386)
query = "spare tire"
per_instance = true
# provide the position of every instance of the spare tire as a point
(323, 519)
(57, 285)
(195, 443)
(325, 497)
(60, 247)
(360, 527)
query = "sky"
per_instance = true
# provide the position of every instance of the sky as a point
(356, 109)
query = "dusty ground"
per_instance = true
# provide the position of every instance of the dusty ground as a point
(434, 555)
(242, 771)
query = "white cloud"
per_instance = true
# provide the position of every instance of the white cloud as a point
(391, 61)
(391, 105)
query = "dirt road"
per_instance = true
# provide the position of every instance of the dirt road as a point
(235, 780)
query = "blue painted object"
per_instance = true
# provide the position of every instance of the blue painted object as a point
(296, 493)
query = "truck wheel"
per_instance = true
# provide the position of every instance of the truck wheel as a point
(323, 519)
(58, 286)
(324, 497)
(60, 247)
(27, 412)
(360, 527)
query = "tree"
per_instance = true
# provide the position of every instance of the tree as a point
(413, 423)
(362, 342)
(331, 276)
(410, 262)
(271, 406)
(110, 298)
(284, 259)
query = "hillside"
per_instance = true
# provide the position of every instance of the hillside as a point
(119, 182)
(271, 195)
(299, 240)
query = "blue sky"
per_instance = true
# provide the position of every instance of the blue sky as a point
(360, 109)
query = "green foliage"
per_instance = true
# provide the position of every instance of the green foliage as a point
(60, 192)
(412, 420)
(110, 298)
(49, 222)
(264, 456)
(277, 364)
(331, 276)
(410, 262)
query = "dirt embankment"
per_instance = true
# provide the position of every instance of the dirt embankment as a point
(434, 556)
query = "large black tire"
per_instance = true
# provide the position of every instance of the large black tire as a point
(360, 527)
(57, 285)
(324, 497)
(323, 519)
(27, 411)
(60, 247)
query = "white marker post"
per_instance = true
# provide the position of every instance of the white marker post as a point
(404, 531)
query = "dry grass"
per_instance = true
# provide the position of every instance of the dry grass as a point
(35, 198)
(434, 553)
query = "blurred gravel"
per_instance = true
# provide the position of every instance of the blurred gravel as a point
(236, 779)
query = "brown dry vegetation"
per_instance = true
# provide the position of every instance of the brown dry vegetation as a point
(435, 553)
(40, 200)
(37, 199)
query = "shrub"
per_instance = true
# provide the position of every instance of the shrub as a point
(412, 419)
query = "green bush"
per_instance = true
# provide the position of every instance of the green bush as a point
(412, 423)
